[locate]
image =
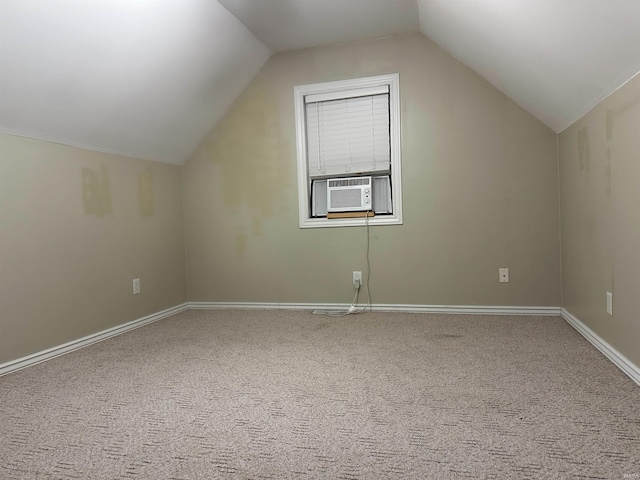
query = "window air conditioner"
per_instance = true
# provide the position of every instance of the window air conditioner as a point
(349, 194)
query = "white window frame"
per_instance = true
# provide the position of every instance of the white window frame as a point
(304, 183)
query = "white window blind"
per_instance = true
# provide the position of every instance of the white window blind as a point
(348, 135)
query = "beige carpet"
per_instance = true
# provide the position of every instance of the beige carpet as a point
(273, 395)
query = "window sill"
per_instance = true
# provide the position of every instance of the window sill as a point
(350, 222)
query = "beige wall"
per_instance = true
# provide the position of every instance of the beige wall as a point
(480, 192)
(600, 198)
(75, 228)
(480, 180)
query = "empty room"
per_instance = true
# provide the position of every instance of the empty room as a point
(339, 239)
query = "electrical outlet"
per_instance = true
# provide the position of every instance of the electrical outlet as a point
(357, 279)
(610, 303)
(503, 275)
(136, 286)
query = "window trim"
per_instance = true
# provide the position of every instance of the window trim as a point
(393, 81)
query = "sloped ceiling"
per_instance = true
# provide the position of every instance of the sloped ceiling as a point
(150, 78)
(142, 78)
(284, 25)
(556, 58)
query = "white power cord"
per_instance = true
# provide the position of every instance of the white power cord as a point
(354, 304)
(341, 313)
(366, 222)
(353, 308)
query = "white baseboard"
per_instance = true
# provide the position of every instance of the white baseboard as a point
(453, 309)
(50, 353)
(607, 350)
(469, 309)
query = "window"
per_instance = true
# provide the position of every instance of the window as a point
(345, 130)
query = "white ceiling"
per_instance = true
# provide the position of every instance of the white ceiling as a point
(142, 78)
(150, 78)
(556, 58)
(284, 25)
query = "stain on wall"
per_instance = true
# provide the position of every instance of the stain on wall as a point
(609, 122)
(607, 173)
(241, 241)
(248, 149)
(584, 149)
(247, 146)
(612, 113)
(96, 191)
(257, 226)
(145, 192)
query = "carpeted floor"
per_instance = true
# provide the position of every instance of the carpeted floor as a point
(281, 394)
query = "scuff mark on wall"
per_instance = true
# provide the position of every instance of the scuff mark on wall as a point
(584, 149)
(96, 191)
(145, 192)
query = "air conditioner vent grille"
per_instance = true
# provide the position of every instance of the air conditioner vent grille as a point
(350, 182)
